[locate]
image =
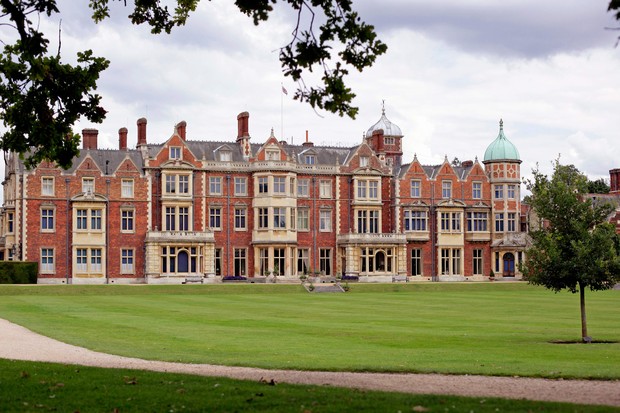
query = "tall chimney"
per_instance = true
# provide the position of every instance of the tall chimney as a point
(141, 131)
(243, 128)
(307, 143)
(379, 134)
(181, 126)
(89, 138)
(122, 139)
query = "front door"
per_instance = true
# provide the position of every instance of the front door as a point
(509, 265)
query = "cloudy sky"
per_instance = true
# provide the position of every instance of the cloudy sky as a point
(452, 70)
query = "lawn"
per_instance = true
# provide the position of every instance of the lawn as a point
(39, 387)
(487, 328)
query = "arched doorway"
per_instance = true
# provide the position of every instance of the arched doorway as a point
(183, 261)
(509, 264)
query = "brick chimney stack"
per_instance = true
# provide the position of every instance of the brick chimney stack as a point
(307, 143)
(141, 131)
(122, 139)
(180, 127)
(89, 138)
(379, 140)
(243, 125)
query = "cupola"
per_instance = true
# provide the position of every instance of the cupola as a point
(501, 148)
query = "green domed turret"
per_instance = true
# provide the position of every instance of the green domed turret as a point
(501, 148)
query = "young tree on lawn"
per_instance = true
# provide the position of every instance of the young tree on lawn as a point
(579, 248)
(41, 98)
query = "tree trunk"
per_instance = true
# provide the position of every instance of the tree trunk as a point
(584, 326)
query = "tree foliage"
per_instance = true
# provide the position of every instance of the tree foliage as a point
(598, 186)
(41, 97)
(579, 248)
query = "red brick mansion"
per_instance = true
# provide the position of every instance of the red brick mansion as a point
(185, 210)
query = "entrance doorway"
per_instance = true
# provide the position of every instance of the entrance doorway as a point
(509, 265)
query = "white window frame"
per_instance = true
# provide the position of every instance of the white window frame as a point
(128, 221)
(215, 218)
(415, 220)
(241, 218)
(88, 185)
(127, 261)
(127, 188)
(47, 218)
(241, 185)
(47, 259)
(325, 220)
(303, 219)
(476, 190)
(416, 256)
(364, 161)
(446, 189)
(279, 185)
(325, 188)
(215, 185)
(303, 187)
(47, 186)
(175, 152)
(416, 188)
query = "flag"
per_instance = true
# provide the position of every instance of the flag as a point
(284, 91)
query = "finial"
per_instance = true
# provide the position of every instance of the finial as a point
(476, 158)
(446, 158)
(501, 124)
(383, 107)
(415, 156)
(272, 135)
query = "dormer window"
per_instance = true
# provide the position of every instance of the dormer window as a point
(225, 156)
(310, 159)
(363, 161)
(175, 152)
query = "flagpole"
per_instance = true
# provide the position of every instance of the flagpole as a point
(281, 111)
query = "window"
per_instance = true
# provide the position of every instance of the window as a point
(477, 221)
(240, 262)
(95, 219)
(175, 152)
(511, 191)
(325, 189)
(263, 218)
(325, 221)
(171, 184)
(82, 219)
(511, 221)
(240, 217)
(377, 260)
(415, 188)
(127, 220)
(446, 189)
(303, 187)
(183, 218)
(272, 155)
(127, 188)
(476, 190)
(477, 262)
(171, 219)
(278, 261)
(184, 184)
(127, 266)
(450, 261)
(303, 261)
(415, 220)
(499, 191)
(88, 185)
(279, 218)
(293, 219)
(225, 156)
(215, 217)
(499, 222)
(388, 140)
(450, 221)
(263, 185)
(47, 186)
(496, 261)
(416, 261)
(325, 261)
(47, 219)
(367, 222)
(367, 189)
(10, 222)
(185, 260)
(215, 185)
(303, 220)
(363, 161)
(279, 185)
(361, 189)
(81, 260)
(263, 261)
(310, 159)
(95, 260)
(373, 189)
(47, 260)
(241, 186)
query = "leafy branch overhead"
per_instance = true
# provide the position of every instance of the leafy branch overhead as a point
(311, 46)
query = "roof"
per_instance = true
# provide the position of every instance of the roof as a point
(501, 148)
(389, 128)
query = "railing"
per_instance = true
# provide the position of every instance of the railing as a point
(277, 165)
(185, 236)
(380, 238)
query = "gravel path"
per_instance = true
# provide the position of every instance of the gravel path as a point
(19, 343)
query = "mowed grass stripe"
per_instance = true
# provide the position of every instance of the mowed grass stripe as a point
(450, 328)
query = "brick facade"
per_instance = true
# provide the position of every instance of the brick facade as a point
(185, 210)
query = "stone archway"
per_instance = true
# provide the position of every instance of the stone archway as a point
(509, 264)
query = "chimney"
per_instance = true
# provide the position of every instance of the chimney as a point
(180, 127)
(141, 131)
(243, 129)
(122, 139)
(89, 138)
(467, 164)
(307, 143)
(379, 134)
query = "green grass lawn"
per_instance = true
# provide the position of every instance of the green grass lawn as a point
(488, 328)
(42, 387)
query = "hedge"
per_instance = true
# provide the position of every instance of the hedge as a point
(13, 272)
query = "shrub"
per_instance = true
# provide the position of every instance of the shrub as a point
(13, 272)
